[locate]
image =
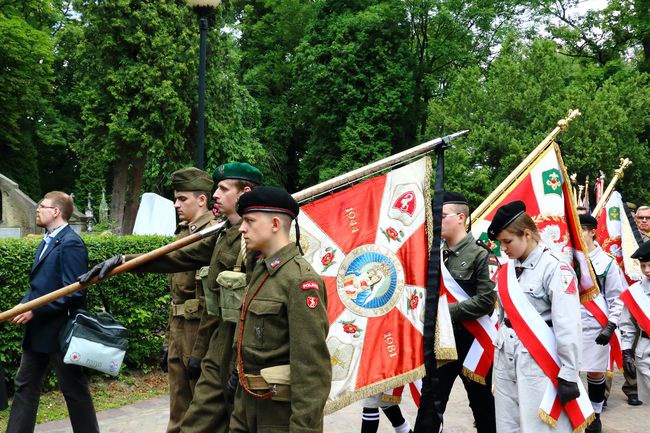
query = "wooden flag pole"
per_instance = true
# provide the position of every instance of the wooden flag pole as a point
(131, 264)
(618, 174)
(371, 169)
(300, 196)
(562, 126)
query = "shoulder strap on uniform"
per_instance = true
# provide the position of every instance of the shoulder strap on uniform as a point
(241, 256)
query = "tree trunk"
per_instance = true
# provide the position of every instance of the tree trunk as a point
(127, 184)
(118, 194)
(133, 196)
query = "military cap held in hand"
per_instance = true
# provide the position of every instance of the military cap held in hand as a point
(505, 215)
(268, 199)
(237, 170)
(191, 179)
(643, 253)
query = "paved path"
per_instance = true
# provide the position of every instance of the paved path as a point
(150, 416)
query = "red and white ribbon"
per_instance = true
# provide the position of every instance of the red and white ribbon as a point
(638, 303)
(540, 341)
(598, 308)
(480, 356)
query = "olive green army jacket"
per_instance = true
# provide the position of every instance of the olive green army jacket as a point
(220, 253)
(286, 323)
(467, 263)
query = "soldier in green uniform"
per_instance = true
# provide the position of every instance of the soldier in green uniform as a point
(467, 264)
(192, 189)
(283, 363)
(208, 412)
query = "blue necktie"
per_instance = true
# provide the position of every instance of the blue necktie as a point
(47, 239)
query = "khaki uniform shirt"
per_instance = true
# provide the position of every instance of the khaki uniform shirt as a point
(467, 263)
(287, 323)
(220, 252)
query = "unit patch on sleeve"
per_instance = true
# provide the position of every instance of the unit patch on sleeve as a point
(309, 285)
(312, 302)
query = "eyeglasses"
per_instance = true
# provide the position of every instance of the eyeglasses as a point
(445, 215)
(40, 206)
(643, 218)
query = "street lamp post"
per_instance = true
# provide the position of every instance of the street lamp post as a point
(202, 9)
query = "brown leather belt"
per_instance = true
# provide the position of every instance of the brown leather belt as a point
(509, 325)
(255, 382)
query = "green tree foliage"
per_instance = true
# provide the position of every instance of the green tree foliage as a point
(25, 79)
(512, 107)
(355, 81)
(270, 33)
(135, 83)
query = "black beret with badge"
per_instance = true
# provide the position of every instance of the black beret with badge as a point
(237, 170)
(191, 179)
(643, 253)
(268, 199)
(587, 220)
(504, 216)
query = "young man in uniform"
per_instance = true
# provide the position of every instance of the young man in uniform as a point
(467, 264)
(182, 351)
(595, 337)
(635, 325)
(283, 364)
(209, 412)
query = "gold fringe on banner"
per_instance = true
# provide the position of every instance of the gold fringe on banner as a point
(473, 376)
(353, 396)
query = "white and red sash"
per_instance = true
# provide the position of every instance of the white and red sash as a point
(598, 308)
(638, 303)
(540, 341)
(478, 361)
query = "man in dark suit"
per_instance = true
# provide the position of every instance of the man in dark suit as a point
(59, 259)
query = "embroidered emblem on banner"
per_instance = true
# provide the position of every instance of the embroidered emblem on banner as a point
(552, 181)
(405, 203)
(342, 354)
(614, 213)
(370, 280)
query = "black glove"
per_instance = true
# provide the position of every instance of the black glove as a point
(193, 368)
(567, 391)
(606, 334)
(101, 269)
(628, 363)
(231, 387)
(164, 354)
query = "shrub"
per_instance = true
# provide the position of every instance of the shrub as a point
(139, 301)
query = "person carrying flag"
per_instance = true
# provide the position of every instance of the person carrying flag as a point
(636, 311)
(595, 337)
(538, 293)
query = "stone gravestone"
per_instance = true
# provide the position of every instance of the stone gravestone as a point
(17, 211)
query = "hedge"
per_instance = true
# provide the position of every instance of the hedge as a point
(139, 301)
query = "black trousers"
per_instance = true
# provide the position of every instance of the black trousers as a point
(480, 397)
(72, 383)
(3, 389)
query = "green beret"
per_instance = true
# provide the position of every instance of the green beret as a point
(268, 199)
(237, 170)
(191, 179)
